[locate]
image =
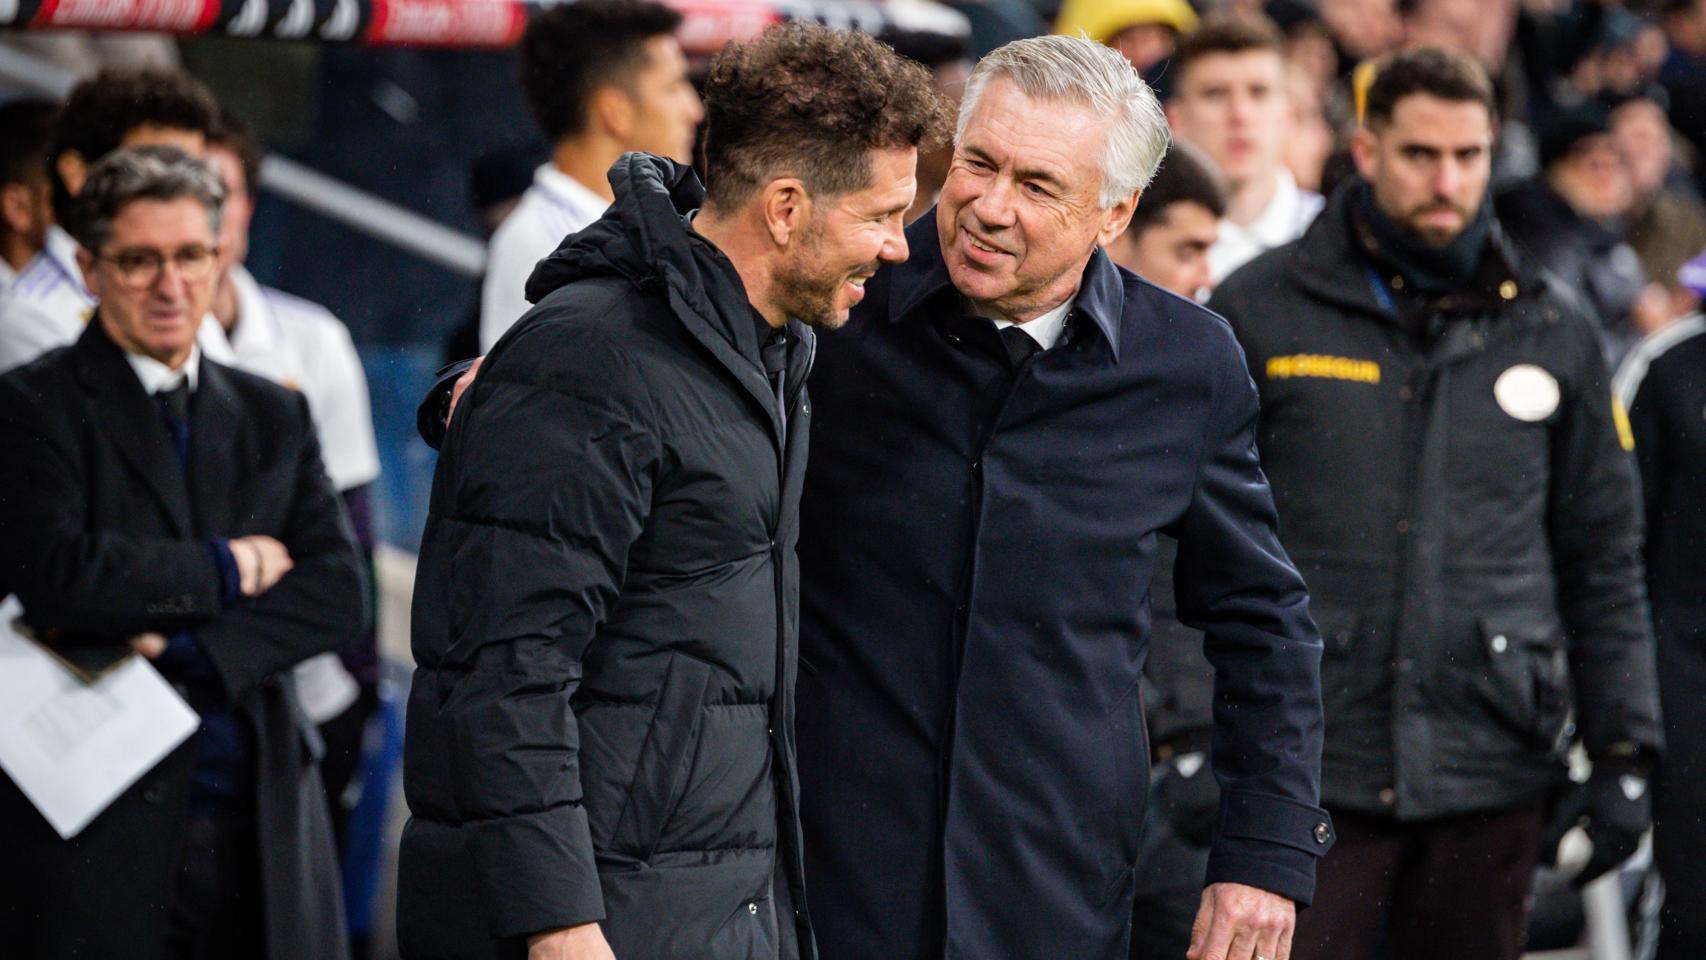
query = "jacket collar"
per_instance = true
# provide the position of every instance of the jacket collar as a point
(646, 236)
(924, 277)
(1329, 246)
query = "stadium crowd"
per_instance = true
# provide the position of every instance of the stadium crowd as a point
(1461, 245)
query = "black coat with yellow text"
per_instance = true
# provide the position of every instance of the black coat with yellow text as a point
(1454, 492)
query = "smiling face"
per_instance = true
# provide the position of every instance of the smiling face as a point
(846, 240)
(156, 319)
(1019, 214)
(1429, 165)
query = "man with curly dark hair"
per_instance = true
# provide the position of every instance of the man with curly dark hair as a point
(601, 755)
(602, 77)
(48, 303)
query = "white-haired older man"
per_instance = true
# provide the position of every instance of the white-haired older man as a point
(1000, 435)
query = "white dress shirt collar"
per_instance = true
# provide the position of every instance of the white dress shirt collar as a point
(156, 376)
(571, 193)
(1046, 329)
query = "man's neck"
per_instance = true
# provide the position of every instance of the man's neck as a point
(225, 302)
(1250, 198)
(587, 160)
(749, 249)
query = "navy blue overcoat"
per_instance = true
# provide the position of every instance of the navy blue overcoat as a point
(976, 551)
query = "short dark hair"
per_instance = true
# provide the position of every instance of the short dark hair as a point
(812, 102)
(26, 127)
(142, 173)
(1227, 33)
(572, 50)
(1434, 71)
(105, 108)
(1185, 176)
(234, 135)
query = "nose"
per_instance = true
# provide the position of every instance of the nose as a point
(1447, 179)
(169, 282)
(894, 243)
(994, 207)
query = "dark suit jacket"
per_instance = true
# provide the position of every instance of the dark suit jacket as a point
(975, 551)
(103, 537)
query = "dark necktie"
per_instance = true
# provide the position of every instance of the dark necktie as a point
(1020, 345)
(176, 399)
(174, 403)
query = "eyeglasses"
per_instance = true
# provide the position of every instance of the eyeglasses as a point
(140, 269)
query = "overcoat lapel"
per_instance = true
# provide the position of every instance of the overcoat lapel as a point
(130, 419)
(214, 469)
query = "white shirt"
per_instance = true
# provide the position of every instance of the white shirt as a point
(156, 376)
(301, 345)
(1283, 220)
(7, 276)
(46, 305)
(554, 207)
(1046, 329)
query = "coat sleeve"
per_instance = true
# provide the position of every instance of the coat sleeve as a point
(317, 607)
(74, 581)
(1594, 521)
(1235, 583)
(548, 484)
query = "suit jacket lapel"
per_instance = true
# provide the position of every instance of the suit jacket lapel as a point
(213, 462)
(131, 421)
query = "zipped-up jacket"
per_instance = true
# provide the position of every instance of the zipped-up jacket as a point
(1452, 481)
(605, 614)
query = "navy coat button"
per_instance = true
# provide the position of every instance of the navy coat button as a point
(153, 794)
(1322, 833)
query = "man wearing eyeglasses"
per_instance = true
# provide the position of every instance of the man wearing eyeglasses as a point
(156, 502)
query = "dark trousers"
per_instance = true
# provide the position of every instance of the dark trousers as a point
(1455, 887)
(1679, 796)
(216, 903)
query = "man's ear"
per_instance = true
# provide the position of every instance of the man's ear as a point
(786, 208)
(1115, 219)
(91, 276)
(72, 170)
(1364, 145)
(613, 110)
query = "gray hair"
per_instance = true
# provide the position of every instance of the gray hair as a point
(142, 173)
(1078, 70)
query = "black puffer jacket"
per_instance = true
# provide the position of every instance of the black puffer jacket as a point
(1452, 488)
(605, 614)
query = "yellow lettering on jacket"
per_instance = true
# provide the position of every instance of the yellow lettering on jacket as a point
(1323, 367)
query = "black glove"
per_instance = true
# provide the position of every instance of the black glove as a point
(1613, 807)
(1190, 797)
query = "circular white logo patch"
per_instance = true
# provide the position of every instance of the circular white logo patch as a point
(1527, 392)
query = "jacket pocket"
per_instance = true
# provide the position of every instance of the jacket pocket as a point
(1525, 683)
(665, 758)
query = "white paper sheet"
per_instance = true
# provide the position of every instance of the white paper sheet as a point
(73, 747)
